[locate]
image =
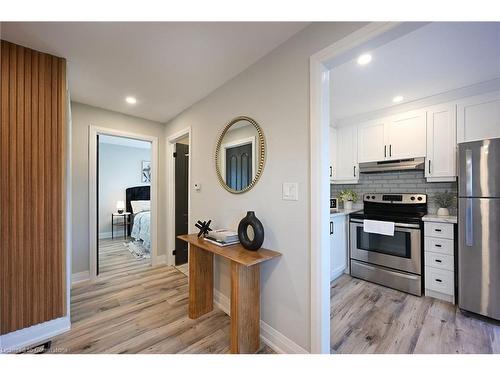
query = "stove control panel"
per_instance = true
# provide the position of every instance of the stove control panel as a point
(404, 198)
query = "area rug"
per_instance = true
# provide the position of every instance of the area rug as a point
(137, 249)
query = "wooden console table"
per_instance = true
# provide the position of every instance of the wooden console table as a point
(245, 288)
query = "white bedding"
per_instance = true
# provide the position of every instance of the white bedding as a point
(141, 228)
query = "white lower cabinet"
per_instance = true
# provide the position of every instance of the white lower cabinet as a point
(338, 245)
(439, 261)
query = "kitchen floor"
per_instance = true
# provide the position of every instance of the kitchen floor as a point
(369, 318)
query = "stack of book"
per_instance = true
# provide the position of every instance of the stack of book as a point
(222, 237)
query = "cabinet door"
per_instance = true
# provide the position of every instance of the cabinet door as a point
(441, 143)
(346, 157)
(371, 145)
(338, 246)
(333, 150)
(405, 135)
(478, 117)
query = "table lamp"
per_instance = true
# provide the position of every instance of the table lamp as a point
(120, 206)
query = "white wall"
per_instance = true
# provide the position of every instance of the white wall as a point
(275, 92)
(119, 168)
(82, 117)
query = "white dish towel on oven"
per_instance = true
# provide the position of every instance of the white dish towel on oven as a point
(379, 227)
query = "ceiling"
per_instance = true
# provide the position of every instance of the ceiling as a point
(122, 141)
(166, 66)
(434, 58)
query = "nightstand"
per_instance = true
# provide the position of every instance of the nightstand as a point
(122, 223)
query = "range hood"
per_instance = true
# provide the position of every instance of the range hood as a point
(393, 165)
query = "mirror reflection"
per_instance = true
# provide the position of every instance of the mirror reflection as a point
(239, 157)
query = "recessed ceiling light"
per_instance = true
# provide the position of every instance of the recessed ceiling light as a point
(397, 99)
(130, 100)
(364, 59)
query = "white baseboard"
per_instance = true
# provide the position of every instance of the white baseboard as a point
(25, 338)
(160, 259)
(337, 273)
(79, 277)
(106, 235)
(269, 336)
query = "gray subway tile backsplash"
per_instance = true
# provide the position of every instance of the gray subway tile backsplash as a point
(397, 182)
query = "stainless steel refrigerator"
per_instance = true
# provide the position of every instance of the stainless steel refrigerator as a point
(479, 227)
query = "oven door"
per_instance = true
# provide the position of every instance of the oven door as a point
(401, 251)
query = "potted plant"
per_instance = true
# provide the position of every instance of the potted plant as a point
(348, 197)
(444, 200)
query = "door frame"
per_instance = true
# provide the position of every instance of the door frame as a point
(319, 88)
(170, 173)
(93, 132)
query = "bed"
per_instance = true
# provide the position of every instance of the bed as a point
(140, 226)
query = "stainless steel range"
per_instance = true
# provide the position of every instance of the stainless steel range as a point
(391, 260)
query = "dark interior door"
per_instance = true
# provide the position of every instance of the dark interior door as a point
(181, 201)
(239, 166)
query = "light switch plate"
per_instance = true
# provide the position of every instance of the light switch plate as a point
(290, 191)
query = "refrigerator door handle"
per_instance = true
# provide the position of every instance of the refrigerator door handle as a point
(468, 172)
(468, 222)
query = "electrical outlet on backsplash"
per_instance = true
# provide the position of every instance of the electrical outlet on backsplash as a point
(397, 182)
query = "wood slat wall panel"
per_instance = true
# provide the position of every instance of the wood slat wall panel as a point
(32, 187)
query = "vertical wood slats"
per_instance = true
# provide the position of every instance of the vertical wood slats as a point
(32, 187)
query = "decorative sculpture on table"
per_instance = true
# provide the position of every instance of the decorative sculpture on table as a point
(258, 232)
(204, 227)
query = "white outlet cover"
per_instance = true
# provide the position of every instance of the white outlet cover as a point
(290, 191)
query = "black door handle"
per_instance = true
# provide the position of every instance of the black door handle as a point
(429, 166)
(330, 171)
(385, 151)
(331, 227)
(354, 171)
(390, 150)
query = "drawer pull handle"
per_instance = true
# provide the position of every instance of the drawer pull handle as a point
(437, 230)
(437, 260)
(439, 280)
(437, 245)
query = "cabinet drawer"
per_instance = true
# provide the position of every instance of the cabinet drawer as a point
(442, 261)
(439, 230)
(438, 245)
(441, 281)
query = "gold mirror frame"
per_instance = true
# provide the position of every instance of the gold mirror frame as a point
(261, 153)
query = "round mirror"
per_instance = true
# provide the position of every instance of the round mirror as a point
(240, 155)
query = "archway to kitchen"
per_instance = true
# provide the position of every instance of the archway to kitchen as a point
(391, 126)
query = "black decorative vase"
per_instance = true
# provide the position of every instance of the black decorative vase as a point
(258, 231)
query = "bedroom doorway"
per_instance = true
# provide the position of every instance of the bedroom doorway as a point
(123, 205)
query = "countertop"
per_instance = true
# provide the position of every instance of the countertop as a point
(440, 219)
(343, 212)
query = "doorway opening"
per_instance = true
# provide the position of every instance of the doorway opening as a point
(123, 204)
(376, 98)
(123, 185)
(179, 153)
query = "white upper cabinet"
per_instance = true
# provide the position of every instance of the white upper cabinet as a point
(478, 117)
(346, 169)
(441, 143)
(397, 137)
(333, 150)
(405, 136)
(371, 141)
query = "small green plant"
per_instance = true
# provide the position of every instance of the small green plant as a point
(445, 199)
(348, 195)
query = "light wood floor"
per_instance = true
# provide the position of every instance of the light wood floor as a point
(369, 318)
(137, 308)
(114, 257)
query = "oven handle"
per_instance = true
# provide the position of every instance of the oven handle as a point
(397, 225)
